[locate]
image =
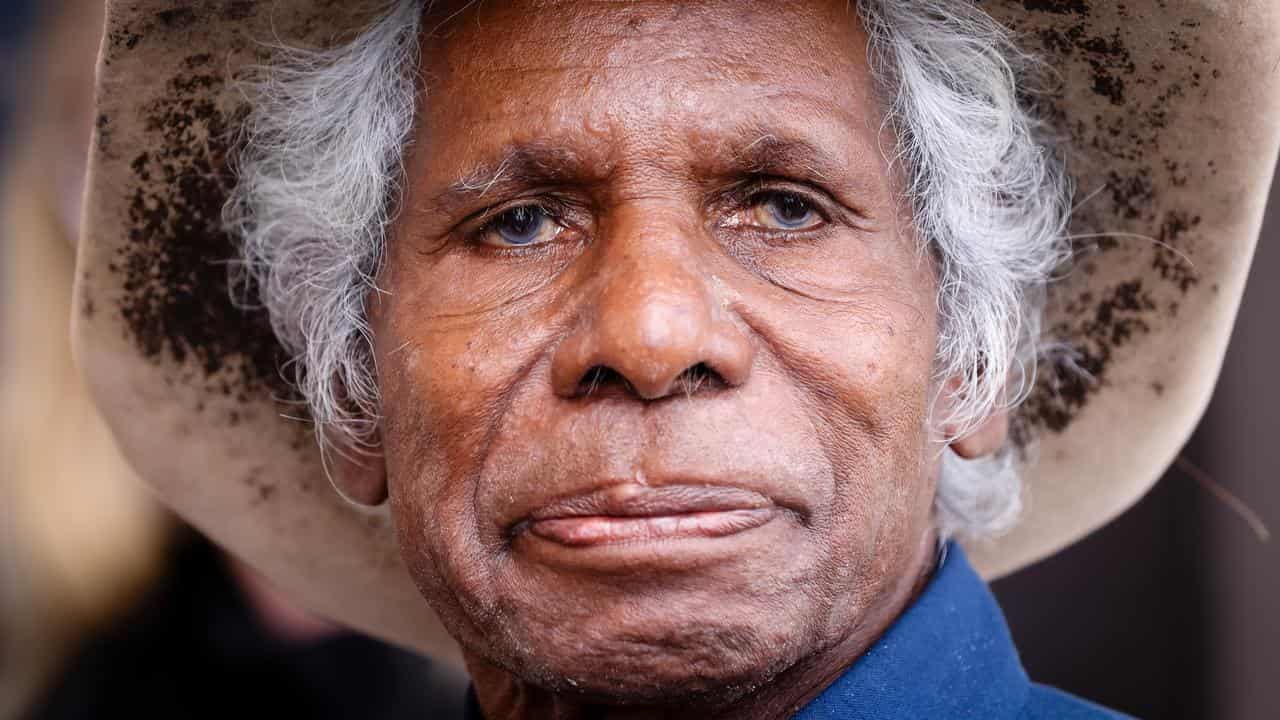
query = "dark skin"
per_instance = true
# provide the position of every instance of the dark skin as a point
(656, 358)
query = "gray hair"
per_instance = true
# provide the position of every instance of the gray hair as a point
(992, 202)
(319, 180)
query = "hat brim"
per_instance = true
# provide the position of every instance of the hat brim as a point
(1167, 110)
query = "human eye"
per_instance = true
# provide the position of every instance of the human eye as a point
(775, 209)
(783, 210)
(519, 226)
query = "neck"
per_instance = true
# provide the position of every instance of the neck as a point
(504, 695)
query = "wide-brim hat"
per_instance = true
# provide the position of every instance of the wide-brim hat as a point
(1169, 112)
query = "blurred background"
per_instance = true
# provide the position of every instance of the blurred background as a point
(108, 604)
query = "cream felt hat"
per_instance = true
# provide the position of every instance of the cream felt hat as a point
(1171, 114)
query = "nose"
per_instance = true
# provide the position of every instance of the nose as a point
(653, 325)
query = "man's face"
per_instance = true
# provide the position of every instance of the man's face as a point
(656, 344)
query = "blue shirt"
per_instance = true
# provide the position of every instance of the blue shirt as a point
(948, 656)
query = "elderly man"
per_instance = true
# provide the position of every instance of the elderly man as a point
(679, 338)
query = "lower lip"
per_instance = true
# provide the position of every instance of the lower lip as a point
(597, 530)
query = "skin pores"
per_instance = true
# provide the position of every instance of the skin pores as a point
(655, 354)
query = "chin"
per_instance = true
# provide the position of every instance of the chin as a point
(641, 622)
(693, 661)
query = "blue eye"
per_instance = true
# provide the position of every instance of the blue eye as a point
(519, 226)
(785, 211)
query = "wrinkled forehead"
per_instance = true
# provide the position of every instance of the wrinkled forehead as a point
(739, 38)
(608, 78)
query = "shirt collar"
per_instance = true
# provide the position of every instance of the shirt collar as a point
(948, 655)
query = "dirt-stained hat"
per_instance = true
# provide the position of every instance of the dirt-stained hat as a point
(1168, 110)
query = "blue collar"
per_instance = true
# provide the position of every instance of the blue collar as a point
(948, 656)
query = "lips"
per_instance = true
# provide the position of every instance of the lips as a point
(631, 513)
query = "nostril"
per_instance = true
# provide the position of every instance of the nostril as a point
(699, 377)
(604, 380)
(601, 377)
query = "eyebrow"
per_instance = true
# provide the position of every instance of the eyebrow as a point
(521, 165)
(770, 154)
(543, 163)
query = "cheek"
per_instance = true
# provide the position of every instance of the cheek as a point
(445, 380)
(863, 365)
(448, 353)
(882, 356)
(864, 359)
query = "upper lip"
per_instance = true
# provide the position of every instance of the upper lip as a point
(633, 499)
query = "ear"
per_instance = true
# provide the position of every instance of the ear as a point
(981, 440)
(986, 438)
(359, 476)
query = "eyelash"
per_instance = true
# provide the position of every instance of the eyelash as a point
(740, 197)
(759, 193)
(555, 210)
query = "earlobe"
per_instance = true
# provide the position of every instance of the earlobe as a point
(986, 438)
(359, 476)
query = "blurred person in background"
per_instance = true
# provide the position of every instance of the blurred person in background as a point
(108, 604)
(82, 539)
